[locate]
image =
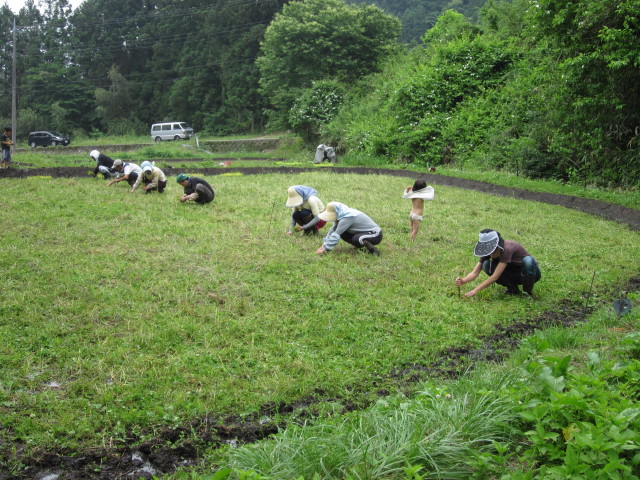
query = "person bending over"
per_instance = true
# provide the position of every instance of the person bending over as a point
(506, 263)
(352, 226)
(306, 207)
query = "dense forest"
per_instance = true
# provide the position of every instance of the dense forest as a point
(546, 88)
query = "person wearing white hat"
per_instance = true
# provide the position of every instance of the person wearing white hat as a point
(418, 194)
(507, 263)
(127, 172)
(104, 164)
(306, 207)
(152, 177)
(350, 225)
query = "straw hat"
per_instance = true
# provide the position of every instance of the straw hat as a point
(329, 214)
(294, 198)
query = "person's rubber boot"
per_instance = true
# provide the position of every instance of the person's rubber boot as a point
(372, 249)
(527, 284)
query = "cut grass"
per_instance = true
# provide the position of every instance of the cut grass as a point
(126, 312)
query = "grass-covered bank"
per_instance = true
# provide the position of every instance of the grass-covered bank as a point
(125, 313)
(563, 406)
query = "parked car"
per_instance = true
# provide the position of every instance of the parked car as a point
(171, 131)
(45, 138)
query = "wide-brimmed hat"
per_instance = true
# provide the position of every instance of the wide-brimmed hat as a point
(294, 198)
(116, 163)
(182, 177)
(329, 214)
(426, 193)
(147, 168)
(488, 241)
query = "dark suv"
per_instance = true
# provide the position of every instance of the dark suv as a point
(44, 139)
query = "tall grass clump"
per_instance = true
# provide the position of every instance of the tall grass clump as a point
(436, 430)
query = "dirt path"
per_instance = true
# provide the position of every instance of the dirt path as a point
(179, 446)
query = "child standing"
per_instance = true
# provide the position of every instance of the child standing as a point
(6, 147)
(418, 194)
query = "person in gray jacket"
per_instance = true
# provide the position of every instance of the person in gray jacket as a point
(350, 225)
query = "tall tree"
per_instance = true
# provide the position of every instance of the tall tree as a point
(322, 40)
(6, 47)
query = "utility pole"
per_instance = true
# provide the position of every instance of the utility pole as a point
(14, 87)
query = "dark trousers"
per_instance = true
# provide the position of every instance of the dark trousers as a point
(304, 216)
(131, 179)
(526, 274)
(161, 186)
(356, 239)
(204, 194)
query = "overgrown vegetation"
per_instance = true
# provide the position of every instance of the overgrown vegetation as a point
(524, 91)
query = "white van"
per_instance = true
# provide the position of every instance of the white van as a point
(171, 131)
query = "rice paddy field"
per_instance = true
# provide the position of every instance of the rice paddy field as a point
(125, 314)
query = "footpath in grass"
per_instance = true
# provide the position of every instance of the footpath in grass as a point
(127, 314)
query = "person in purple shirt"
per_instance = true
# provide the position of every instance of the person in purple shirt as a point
(506, 263)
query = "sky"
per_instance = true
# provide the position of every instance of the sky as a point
(16, 5)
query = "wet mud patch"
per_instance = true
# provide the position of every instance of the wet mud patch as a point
(493, 348)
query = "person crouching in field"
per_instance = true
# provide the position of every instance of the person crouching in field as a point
(195, 189)
(306, 207)
(127, 172)
(152, 177)
(507, 263)
(418, 194)
(104, 165)
(350, 225)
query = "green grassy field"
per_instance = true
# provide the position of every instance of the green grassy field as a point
(129, 312)
(290, 154)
